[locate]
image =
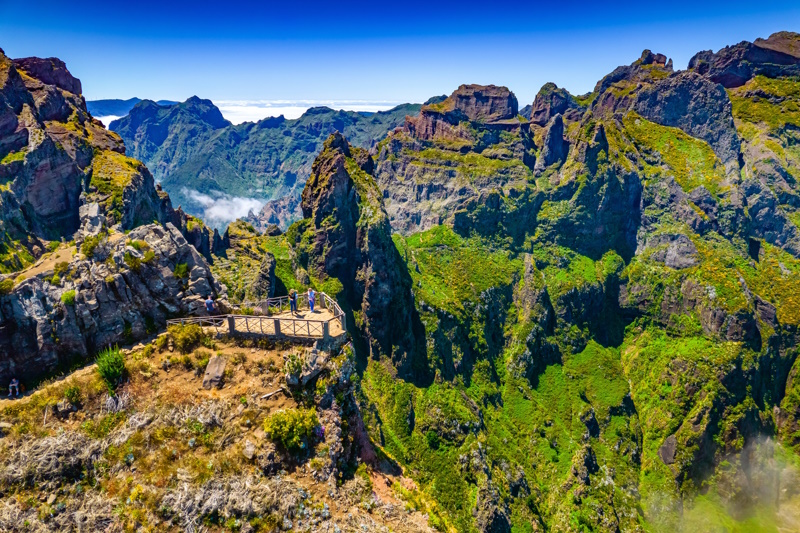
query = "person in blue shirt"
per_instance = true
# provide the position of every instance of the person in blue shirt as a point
(311, 297)
(13, 386)
(210, 307)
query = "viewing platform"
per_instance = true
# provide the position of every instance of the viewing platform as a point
(273, 318)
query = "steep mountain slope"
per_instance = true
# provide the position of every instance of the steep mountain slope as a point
(608, 295)
(189, 149)
(73, 281)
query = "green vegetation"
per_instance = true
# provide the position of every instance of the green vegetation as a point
(292, 428)
(111, 173)
(14, 156)
(772, 102)
(449, 270)
(6, 286)
(470, 165)
(91, 243)
(73, 395)
(691, 161)
(14, 255)
(186, 337)
(111, 367)
(68, 297)
(181, 271)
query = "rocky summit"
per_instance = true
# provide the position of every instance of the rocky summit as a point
(581, 315)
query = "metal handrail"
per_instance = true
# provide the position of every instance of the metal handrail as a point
(307, 327)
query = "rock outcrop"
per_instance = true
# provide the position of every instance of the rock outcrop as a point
(349, 238)
(119, 295)
(551, 101)
(733, 66)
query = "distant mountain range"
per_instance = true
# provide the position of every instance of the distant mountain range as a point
(199, 156)
(116, 107)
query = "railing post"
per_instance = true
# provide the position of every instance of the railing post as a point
(277, 326)
(326, 330)
(231, 324)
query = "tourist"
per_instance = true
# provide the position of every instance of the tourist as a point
(210, 307)
(293, 301)
(311, 296)
(13, 386)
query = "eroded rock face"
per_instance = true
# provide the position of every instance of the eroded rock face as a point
(697, 106)
(51, 71)
(109, 300)
(485, 103)
(350, 239)
(551, 101)
(555, 146)
(733, 66)
(58, 157)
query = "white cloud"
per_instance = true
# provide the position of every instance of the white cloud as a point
(108, 119)
(238, 111)
(221, 209)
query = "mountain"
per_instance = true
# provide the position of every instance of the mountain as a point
(192, 151)
(584, 320)
(90, 245)
(593, 313)
(116, 107)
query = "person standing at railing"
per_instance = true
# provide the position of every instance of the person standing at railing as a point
(293, 301)
(210, 306)
(311, 296)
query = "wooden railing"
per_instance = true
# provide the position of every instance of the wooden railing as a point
(267, 324)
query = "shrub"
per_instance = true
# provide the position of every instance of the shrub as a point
(139, 245)
(6, 285)
(186, 338)
(294, 365)
(53, 245)
(55, 280)
(73, 395)
(292, 427)
(61, 268)
(111, 367)
(149, 256)
(181, 270)
(161, 343)
(68, 298)
(133, 262)
(90, 244)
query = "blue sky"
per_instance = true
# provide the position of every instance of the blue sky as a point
(379, 51)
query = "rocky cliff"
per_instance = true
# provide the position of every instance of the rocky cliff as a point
(607, 294)
(122, 292)
(345, 237)
(66, 178)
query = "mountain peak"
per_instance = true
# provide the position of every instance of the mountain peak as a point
(51, 71)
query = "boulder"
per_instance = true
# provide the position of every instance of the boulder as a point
(215, 371)
(667, 450)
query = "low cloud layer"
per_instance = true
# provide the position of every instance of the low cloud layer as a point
(221, 209)
(238, 111)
